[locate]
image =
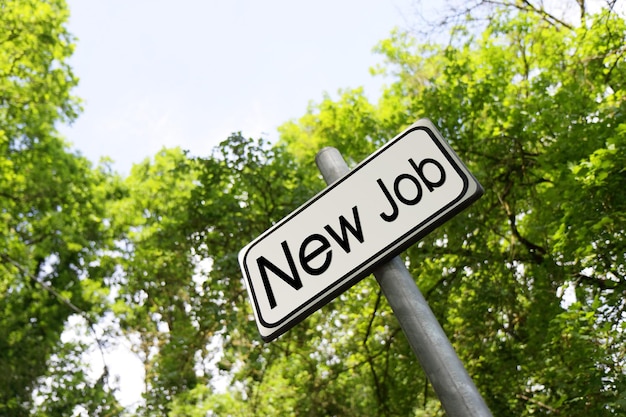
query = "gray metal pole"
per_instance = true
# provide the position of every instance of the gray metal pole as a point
(453, 385)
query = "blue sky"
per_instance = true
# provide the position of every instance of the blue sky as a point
(157, 73)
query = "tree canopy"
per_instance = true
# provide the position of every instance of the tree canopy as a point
(54, 219)
(528, 283)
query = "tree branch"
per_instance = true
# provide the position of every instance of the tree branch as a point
(369, 325)
(68, 303)
(527, 6)
(539, 403)
(536, 251)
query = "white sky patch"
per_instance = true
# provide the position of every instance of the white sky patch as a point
(126, 371)
(155, 74)
(567, 294)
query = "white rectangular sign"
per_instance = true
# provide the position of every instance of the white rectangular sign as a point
(393, 198)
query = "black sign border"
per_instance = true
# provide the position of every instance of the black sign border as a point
(347, 281)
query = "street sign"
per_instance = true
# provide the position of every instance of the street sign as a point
(389, 201)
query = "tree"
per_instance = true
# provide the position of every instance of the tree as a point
(185, 220)
(157, 293)
(535, 107)
(536, 110)
(52, 208)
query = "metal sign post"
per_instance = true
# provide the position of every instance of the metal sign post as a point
(453, 385)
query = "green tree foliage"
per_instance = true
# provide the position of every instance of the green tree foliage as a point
(181, 290)
(52, 211)
(158, 265)
(536, 109)
(528, 282)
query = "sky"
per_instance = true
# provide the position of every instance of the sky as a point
(155, 73)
